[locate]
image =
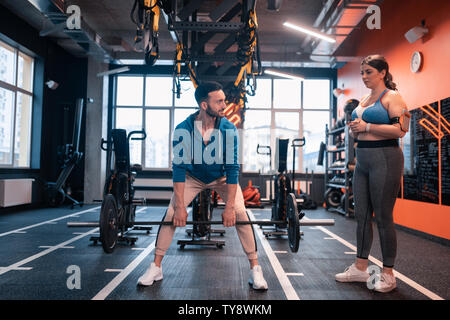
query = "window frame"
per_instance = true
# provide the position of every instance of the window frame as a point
(299, 152)
(16, 89)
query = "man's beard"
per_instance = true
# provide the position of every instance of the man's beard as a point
(211, 112)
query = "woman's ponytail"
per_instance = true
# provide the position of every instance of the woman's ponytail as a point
(388, 81)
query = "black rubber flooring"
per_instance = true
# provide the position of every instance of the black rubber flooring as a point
(39, 253)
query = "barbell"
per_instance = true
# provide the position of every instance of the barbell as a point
(109, 228)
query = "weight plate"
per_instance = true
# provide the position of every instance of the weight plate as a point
(201, 211)
(333, 197)
(293, 223)
(108, 223)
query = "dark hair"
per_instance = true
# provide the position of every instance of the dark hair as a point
(379, 62)
(350, 105)
(204, 88)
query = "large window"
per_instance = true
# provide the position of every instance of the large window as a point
(16, 100)
(280, 108)
(286, 109)
(149, 102)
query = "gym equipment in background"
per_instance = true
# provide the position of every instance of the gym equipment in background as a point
(202, 209)
(54, 193)
(261, 150)
(118, 209)
(305, 200)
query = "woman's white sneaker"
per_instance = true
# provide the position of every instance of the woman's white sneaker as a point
(386, 283)
(256, 279)
(352, 274)
(152, 274)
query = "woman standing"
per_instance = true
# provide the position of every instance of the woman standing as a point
(377, 123)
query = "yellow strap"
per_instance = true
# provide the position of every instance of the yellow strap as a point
(156, 19)
(192, 75)
(179, 54)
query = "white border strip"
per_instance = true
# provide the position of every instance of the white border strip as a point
(286, 285)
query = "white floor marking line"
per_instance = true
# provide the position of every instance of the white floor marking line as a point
(105, 292)
(46, 222)
(45, 252)
(294, 274)
(137, 248)
(18, 269)
(280, 251)
(19, 232)
(329, 238)
(350, 252)
(286, 285)
(95, 233)
(65, 247)
(113, 270)
(397, 274)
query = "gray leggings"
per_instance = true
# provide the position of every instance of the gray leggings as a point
(376, 184)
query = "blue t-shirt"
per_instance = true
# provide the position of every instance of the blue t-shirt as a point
(205, 162)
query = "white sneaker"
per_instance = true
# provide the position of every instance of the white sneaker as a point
(256, 279)
(352, 274)
(386, 283)
(152, 274)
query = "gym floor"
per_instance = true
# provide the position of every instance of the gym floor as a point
(39, 253)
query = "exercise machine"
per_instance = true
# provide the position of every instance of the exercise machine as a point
(54, 193)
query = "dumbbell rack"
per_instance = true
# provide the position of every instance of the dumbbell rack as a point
(335, 154)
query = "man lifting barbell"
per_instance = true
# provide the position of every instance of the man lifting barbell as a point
(213, 164)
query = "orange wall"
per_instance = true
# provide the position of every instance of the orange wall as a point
(430, 84)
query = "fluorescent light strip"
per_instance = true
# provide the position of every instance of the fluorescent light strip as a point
(310, 32)
(284, 75)
(114, 71)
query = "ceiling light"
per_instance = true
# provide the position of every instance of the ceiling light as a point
(309, 32)
(113, 71)
(284, 75)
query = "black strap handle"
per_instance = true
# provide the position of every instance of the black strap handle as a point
(301, 143)
(142, 132)
(258, 147)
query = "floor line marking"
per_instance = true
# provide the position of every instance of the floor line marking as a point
(294, 274)
(113, 270)
(286, 285)
(65, 247)
(45, 222)
(45, 252)
(114, 283)
(397, 274)
(18, 268)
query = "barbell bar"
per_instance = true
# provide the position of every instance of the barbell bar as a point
(309, 222)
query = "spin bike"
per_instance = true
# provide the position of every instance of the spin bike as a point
(117, 215)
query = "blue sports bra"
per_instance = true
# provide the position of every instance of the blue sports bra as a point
(375, 113)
